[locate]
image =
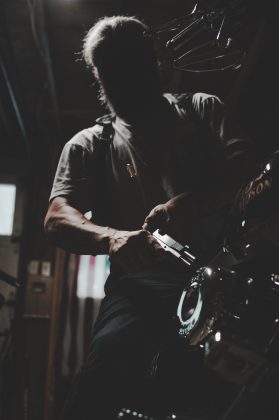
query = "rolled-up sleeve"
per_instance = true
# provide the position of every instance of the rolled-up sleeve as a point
(74, 176)
(70, 175)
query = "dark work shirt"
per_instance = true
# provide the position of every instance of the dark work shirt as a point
(167, 156)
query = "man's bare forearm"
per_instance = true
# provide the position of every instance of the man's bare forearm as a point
(69, 229)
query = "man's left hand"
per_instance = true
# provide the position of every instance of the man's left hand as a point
(172, 217)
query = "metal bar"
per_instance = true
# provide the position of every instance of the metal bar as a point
(7, 278)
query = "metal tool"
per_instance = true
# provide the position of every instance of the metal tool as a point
(180, 251)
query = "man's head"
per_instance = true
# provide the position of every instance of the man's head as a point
(120, 51)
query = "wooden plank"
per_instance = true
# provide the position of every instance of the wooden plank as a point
(53, 334)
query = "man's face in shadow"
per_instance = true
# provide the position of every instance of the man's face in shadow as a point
(128, 76)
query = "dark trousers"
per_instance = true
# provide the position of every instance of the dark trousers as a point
(132, 323)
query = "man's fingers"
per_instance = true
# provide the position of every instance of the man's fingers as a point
(145, 253)
(145, 226)
(151, 252)
(136, 250)
(155, 221)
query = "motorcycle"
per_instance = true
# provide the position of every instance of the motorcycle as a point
(228, 313)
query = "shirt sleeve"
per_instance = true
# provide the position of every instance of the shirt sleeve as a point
(72, 178)
(227, 138)
(210, 110)
(231, 154)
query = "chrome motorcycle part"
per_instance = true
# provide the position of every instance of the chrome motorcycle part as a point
(234, 318)
(252, 230)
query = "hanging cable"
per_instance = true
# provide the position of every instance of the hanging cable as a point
(16, 110)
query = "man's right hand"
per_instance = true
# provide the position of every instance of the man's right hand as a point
(69, 229)
(134, 250)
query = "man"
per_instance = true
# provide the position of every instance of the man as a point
(152, 149)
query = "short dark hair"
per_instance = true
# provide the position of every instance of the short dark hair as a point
(114, 35)
(120, 51)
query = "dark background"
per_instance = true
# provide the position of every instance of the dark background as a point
(46, 95)
(54, 92)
